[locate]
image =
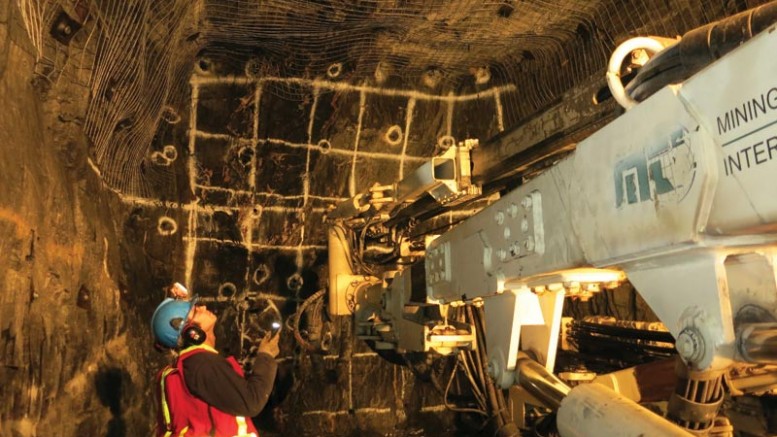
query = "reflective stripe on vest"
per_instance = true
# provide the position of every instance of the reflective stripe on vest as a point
(165, 407)
(242, 427)
(195, 347)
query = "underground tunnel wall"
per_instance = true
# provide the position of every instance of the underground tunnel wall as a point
(260, 159)
(99, 214)
(87, 263)
(73, 350)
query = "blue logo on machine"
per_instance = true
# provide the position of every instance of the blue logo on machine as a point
(662, 171)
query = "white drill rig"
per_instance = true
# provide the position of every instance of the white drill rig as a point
(678, 195)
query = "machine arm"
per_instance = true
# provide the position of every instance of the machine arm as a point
(671, 196)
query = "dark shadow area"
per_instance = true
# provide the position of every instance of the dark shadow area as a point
(109, 384)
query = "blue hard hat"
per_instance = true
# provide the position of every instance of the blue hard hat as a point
(169, 319)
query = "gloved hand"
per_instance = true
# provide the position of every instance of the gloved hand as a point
(269, 344)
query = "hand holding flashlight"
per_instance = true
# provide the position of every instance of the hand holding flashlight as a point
(269, 344)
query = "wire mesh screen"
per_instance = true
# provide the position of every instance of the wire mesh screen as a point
(136, 56)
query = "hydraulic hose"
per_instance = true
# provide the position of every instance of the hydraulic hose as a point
(698, 48)
(300, 311)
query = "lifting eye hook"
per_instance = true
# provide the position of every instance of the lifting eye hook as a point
(650, 45)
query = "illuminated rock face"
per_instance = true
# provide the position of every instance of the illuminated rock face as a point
(270, 157)
(84, 266)
(74, 356)
(110, 190)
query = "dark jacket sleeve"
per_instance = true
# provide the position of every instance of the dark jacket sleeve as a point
(211, 378)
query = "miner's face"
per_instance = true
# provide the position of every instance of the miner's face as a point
(202, 317)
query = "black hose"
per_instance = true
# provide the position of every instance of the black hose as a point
(300, 311)
(699, 48)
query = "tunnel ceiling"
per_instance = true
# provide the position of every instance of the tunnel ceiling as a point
(453, 39)
(136, 57)
(409, 39)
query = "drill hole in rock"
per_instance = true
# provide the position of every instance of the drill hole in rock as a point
(166, 226)
(158, 158)
(170, 152)
(295, 282)
(334, 70)
(246, 156)
(261, 274)
(227, 290)
(170, 116)
(325, 146)
(446, 142)
(393, 135)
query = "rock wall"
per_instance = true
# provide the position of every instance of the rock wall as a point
(73, 350)
(253, 163)
(84, 265)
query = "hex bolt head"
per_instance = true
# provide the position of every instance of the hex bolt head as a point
(690, 345)
(512, 210)
(493, 368)
(684, 345)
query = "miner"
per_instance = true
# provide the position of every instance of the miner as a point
(202, 393)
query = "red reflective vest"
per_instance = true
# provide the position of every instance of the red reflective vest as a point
(182, 414)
